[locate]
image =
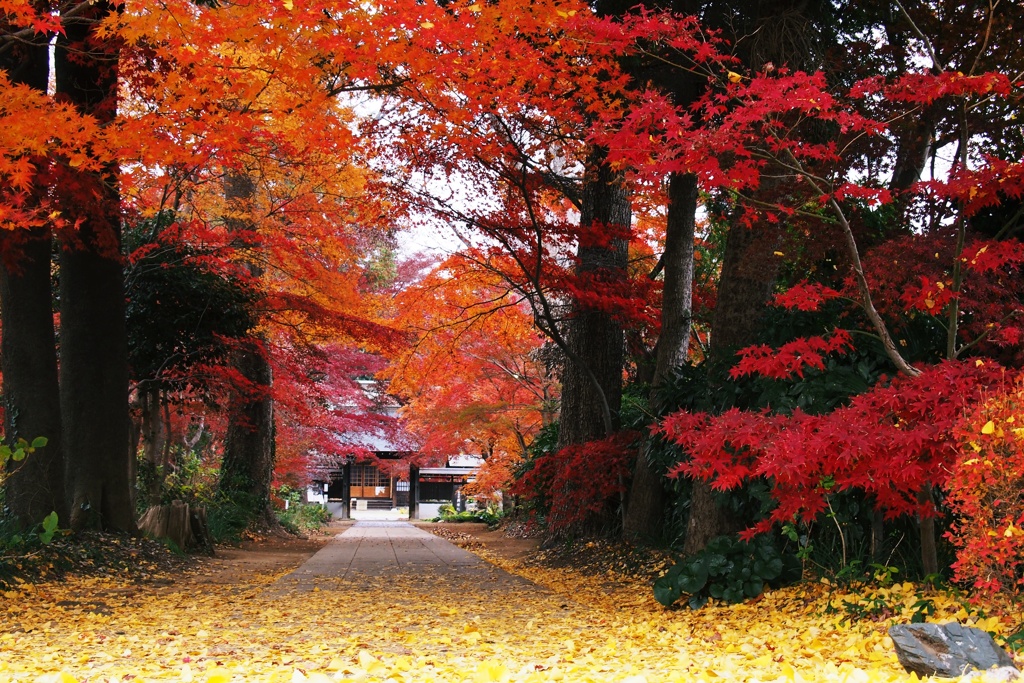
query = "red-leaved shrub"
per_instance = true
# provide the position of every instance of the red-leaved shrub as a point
(986, 494)
(580, 484)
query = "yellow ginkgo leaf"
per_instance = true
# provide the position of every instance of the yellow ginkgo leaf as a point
(491, 672)
(218, 676)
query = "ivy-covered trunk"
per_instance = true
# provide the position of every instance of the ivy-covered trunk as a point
(248, 466)
(247, 469)
(155, 441)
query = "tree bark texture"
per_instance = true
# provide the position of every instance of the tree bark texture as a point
(155, 441)
(592, 381)
(644, 513)
(35, 486)
(677, 296)
(248, 465)
(749, 270)
(93, 335)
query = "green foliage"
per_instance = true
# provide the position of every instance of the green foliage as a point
(304, 518)
(300, 517)
(20, 548)
(191, 479)
(48, 527)
(875, 601)
(42, 533)
(179, 310)
(228, 518)
(19, 452)
(488, 517)
(728, 569)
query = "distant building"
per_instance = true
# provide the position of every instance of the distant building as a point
(363, 485)
(359, 486)
(437, 486)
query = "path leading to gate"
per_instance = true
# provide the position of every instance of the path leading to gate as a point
(390, 603)
(369, 551)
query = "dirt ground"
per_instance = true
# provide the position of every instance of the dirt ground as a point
(274, 556)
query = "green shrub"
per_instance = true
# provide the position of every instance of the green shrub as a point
(488, 517)
(728, 569)
(300, 517)
(227, 519)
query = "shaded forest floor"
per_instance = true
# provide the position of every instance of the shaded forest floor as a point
(592, 617)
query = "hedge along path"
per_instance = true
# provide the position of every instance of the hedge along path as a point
(432, 613)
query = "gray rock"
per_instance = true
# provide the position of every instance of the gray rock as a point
(946, 650)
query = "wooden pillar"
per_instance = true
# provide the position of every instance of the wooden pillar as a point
(346, 491)
(414, 491)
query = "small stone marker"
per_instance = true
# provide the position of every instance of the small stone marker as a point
(946, 650)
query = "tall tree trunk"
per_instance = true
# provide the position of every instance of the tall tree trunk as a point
(247, 469)
(154, 441)
(35, 486)
(783, 32)
(749, 270)
(677, 297)
(592, 385)
(647, 496)
(93, 335)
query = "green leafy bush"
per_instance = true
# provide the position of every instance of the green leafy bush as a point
(10, 535)
(300, 517)
(228, 518)
(488, 517)
(728, 569)
(21, 450)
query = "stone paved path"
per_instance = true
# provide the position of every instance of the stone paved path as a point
(374, 550)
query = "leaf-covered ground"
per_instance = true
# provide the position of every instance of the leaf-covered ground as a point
(574, 627)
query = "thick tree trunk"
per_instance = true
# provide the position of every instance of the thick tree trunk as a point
(94, 385)
(647, 496)
(35, 486)
(93, 335)
(154, 441)
(749, 270)
(592, 383)
(248, 466)
(750, 267)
